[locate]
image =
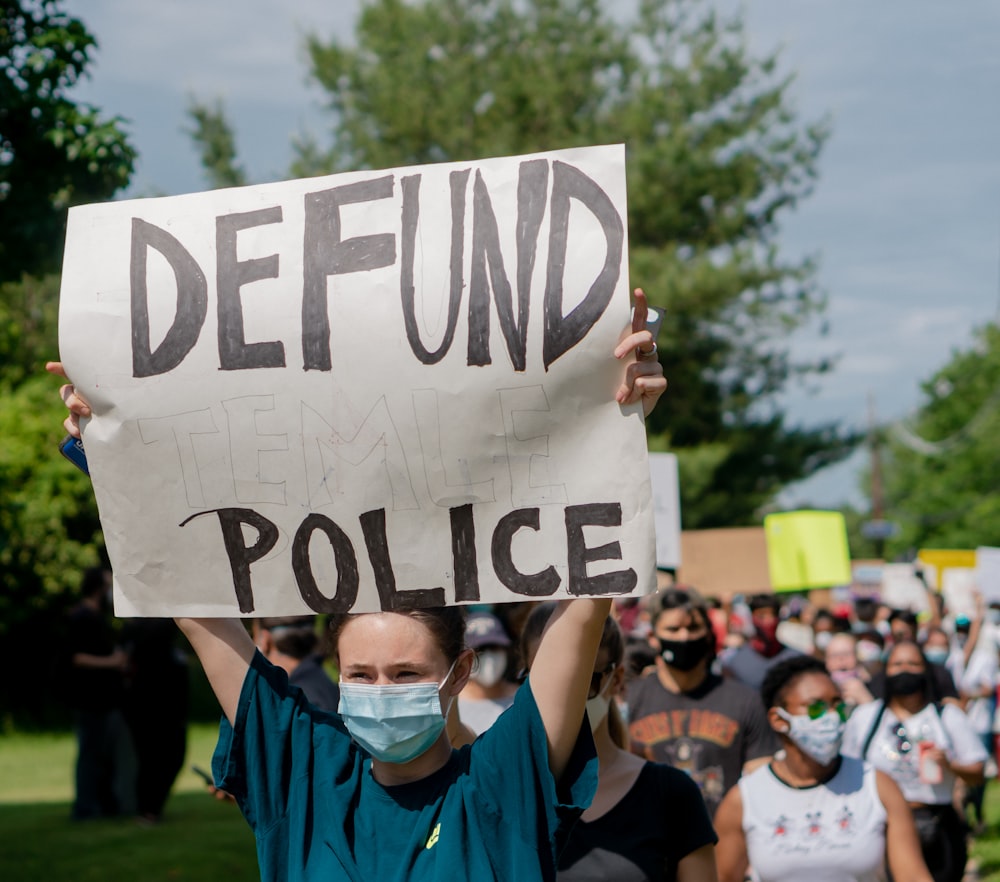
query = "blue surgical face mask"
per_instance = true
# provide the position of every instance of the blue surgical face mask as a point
(936, 655)
(396, 723)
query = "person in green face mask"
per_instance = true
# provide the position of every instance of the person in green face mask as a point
(813, 813)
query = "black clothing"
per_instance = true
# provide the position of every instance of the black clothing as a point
(105, 770)
(660, 821)
(92, 689)
(320, 690)
(709, 733)
(156, 709)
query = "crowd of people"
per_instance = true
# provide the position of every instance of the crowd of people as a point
(721, 750)
(671, 737)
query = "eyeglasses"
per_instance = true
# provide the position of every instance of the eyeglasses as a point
(818, 708)
(595, 680)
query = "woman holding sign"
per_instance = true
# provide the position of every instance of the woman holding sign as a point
(382, 795)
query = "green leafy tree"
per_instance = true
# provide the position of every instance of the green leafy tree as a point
(49, 533)
(715, 155)
(29, 316)
(940, 469)
(48, 521)
(54, 152)
(213, 136)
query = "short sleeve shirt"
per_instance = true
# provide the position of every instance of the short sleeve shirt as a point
(659, 822)
(750, 667)
(710, 732)
(307, 791)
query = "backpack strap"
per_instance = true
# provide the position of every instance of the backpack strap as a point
(872, 731)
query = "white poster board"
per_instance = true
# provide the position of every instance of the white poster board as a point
(959, 588)
(903, 589)
(363, 391)
(988, 573)
(666, 509)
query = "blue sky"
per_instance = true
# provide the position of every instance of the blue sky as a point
(905, 218)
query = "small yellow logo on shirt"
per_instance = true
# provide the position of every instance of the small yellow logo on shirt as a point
(433, 838)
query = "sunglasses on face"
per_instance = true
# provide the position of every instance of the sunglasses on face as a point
(819, 708)
(903, 743)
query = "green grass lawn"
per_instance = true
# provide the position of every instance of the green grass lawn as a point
(200, 839)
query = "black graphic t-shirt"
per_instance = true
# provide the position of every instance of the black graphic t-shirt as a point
(709, 733)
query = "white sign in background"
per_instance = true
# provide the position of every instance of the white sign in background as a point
(362, 391)
(988, 573)
(666, 509)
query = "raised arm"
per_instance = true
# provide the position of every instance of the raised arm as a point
(224, 649)
(561, 672)
(564, 662)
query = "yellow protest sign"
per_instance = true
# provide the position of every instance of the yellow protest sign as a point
(807, 549)
(940, 559)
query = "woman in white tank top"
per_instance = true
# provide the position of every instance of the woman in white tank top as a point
(810, 813)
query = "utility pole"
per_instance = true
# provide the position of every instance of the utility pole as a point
(875, 463)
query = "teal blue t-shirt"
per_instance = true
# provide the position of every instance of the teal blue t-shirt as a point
(492, 812)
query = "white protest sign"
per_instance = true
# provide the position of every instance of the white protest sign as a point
(988, 573)
(903, 589)
(363, 391)
(959, 588)
(666, 509)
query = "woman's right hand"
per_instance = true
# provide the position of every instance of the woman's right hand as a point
(75, 403)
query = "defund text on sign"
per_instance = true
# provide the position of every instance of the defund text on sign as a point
(327, 250)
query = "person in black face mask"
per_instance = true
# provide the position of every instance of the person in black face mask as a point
(925, 746)
(714, 729)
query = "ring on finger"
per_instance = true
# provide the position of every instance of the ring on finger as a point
(649, 353)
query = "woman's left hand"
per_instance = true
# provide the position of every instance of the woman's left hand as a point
(644, 380)
(76, 406)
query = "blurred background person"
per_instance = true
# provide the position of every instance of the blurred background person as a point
(105, 760)
(812, 813)
(926, 747)
(292, 643)
(823, 628)
(937, 646)
(156, 707)
(751, 662)
(870, 650)
(647, 821)
(972, 663)
(841, 662)
(686, 715)
(488, 693)
(903, 629)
